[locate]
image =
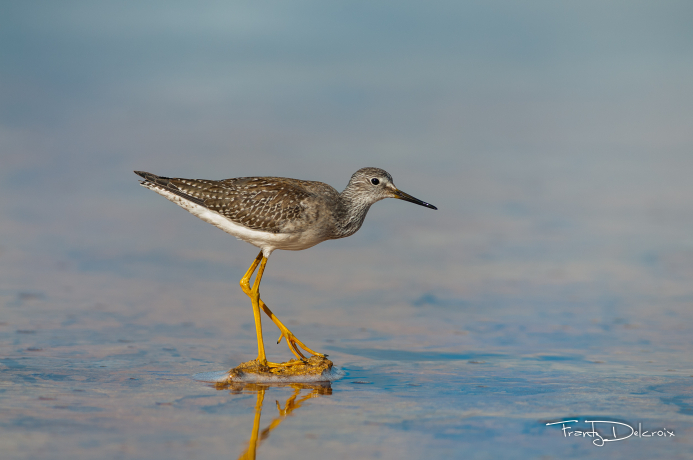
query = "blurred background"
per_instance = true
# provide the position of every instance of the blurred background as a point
(544, 132)
(554, 137)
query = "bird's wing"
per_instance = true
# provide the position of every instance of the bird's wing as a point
(259, 203)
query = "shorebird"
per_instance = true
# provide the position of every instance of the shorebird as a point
(279, 213)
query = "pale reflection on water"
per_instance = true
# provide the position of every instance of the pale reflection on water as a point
(290, 405)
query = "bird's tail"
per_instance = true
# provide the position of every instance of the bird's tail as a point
(152, 181)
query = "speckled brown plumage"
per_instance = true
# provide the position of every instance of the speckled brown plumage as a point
(310, 210)
(271, 204)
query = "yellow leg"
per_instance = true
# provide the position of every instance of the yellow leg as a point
(255, 299)
(291, 339)
(254, 294)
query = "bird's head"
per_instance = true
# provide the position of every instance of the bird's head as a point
(375, 184)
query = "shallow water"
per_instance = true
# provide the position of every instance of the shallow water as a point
(552, 284)
(99, 364)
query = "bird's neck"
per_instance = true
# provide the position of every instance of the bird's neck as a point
(350, 213)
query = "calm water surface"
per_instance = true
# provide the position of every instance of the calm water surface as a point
(553, 283)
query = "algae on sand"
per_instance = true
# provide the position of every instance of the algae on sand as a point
(313, 369)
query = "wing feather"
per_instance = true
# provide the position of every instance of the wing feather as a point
(259, 203)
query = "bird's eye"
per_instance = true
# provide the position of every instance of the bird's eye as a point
(375, 181)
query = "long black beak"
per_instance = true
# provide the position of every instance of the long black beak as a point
(406, 197)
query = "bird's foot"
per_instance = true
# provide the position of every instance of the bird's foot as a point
(263, 363)
(261, 369)
(294, 343)
(287, 364)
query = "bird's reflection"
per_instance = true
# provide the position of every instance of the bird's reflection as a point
(294, 402)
